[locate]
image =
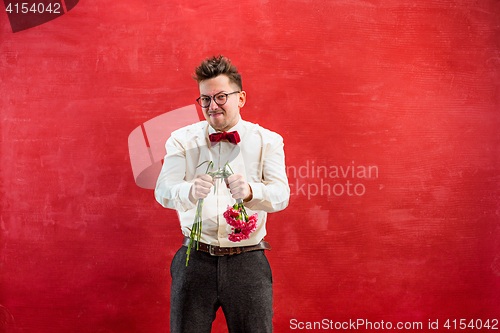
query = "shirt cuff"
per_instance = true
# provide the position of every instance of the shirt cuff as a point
(257, 193)
(185, 203)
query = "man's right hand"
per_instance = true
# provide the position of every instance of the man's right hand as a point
(202, 185)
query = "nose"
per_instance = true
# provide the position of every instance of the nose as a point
(213, 105)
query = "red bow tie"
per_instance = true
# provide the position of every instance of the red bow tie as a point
(232, 137)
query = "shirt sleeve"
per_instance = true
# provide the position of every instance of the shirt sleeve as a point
(172, 190)
(273, 193)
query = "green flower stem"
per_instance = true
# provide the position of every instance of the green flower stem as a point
(195, 234)
(239, 203)
(196, 230)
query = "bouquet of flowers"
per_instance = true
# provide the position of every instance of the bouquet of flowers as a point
(236, 216)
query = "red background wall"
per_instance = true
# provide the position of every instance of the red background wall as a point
(410, 87)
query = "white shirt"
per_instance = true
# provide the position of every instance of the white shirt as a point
(259, 157)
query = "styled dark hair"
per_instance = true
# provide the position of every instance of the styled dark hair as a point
(215, 66)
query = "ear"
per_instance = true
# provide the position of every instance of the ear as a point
(242, 99)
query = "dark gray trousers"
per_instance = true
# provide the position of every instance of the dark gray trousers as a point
(241, 284)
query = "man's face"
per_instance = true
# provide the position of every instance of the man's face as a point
(222, 117)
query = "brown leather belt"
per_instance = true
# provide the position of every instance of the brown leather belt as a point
(222, 251)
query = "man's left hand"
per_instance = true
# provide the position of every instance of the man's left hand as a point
(239, 187)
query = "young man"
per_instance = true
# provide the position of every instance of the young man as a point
(221, 273)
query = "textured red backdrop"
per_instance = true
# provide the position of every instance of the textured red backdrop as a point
(408, 90)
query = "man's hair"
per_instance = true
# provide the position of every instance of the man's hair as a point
(215, 66)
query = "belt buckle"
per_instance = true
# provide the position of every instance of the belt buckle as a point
(212, 253)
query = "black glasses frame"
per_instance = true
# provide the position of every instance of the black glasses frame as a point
(213, 98)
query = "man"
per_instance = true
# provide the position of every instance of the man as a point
(233, 275)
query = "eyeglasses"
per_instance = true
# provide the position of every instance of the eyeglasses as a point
(220, 99)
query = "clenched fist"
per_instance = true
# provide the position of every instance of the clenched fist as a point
(239, 187)
(201, 187)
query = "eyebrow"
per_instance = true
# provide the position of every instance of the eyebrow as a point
(222, 91)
